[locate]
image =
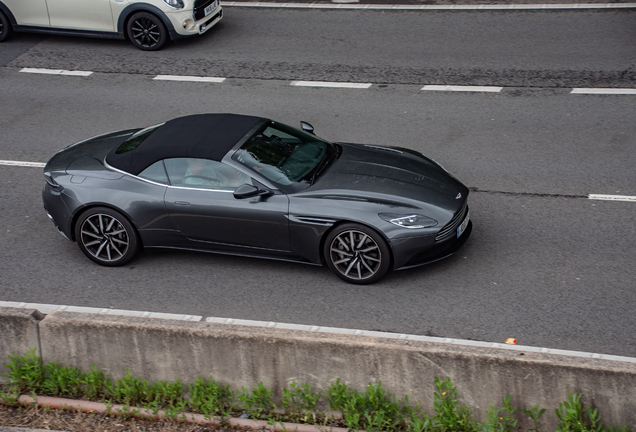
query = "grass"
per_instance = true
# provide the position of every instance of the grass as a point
(374, 409)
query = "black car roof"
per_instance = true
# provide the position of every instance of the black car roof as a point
(206, 136)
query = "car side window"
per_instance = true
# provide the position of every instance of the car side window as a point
(204, 174)
(155, 172)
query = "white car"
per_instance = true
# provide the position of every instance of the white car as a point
(148, 24)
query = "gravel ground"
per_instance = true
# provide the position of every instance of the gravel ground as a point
(72, 421)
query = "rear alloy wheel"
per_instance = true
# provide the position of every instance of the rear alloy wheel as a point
(106, 237)
(146, 31)
(5, 27)
(357, 254)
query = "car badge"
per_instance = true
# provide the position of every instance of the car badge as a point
(459, 195)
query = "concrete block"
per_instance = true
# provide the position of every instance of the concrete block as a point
(246, 355)
(18, 333)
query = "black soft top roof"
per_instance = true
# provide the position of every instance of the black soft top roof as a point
(206, 136)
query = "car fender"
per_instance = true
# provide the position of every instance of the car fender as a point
(311, 220)
(143, 7)
(8, 13)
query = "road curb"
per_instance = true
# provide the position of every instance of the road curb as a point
(144, 413)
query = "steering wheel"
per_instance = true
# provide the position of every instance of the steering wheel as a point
(208, 181)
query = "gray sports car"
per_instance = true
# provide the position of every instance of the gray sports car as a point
(250, 186)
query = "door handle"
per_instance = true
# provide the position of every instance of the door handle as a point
(182, 203)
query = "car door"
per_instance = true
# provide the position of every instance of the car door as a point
(202, 205)
(29, 12)
(95, 15)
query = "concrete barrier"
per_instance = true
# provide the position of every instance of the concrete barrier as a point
(18, 333)
(246, 355)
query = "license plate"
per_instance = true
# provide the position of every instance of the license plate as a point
(208, 10)
(462, 227)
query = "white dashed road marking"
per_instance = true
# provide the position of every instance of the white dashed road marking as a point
(604, 91)
(56, 72)
(189, 78)
(331, 84)
(22, 164)
(612, 197)
(462, 88)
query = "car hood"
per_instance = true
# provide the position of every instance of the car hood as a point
(366, 170)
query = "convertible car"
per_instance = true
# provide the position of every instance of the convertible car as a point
(250, 186)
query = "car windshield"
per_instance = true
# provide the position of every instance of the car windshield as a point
(285, 156)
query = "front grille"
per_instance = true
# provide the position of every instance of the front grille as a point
(199, 8)
(215, 16)
(450, 229)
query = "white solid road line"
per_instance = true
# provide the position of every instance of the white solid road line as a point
(331, 84)
(432, 7)
(455, 88)
(612, 197)
(56, 72)
(48, 308)
(22, 164)
(189, 78)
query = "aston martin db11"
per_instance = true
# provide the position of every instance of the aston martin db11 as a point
(250, 186)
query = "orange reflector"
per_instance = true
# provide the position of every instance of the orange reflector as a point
(511, 341)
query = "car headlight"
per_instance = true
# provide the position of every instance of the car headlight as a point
(410, 221)
(177, 4)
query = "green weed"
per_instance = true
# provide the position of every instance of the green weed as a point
(575, 418)
(374, 410)
(95, 382)
(300, 402)
(26, 372)
(62, 381)
(211, 398)
(129, 390)
(259, 403)
(449, 414)
(501, 419)
(535, 413)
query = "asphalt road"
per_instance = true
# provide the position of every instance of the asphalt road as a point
(545, 264)
(510, 48)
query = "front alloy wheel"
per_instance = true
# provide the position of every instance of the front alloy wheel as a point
(357, 254)
(106, 237)
(146, 31)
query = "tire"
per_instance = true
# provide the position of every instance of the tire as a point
(357, 254)
(5, 27)
(106, 236)
(146, 31)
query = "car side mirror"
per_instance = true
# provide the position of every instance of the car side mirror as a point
(248, 191)
(306, 127)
